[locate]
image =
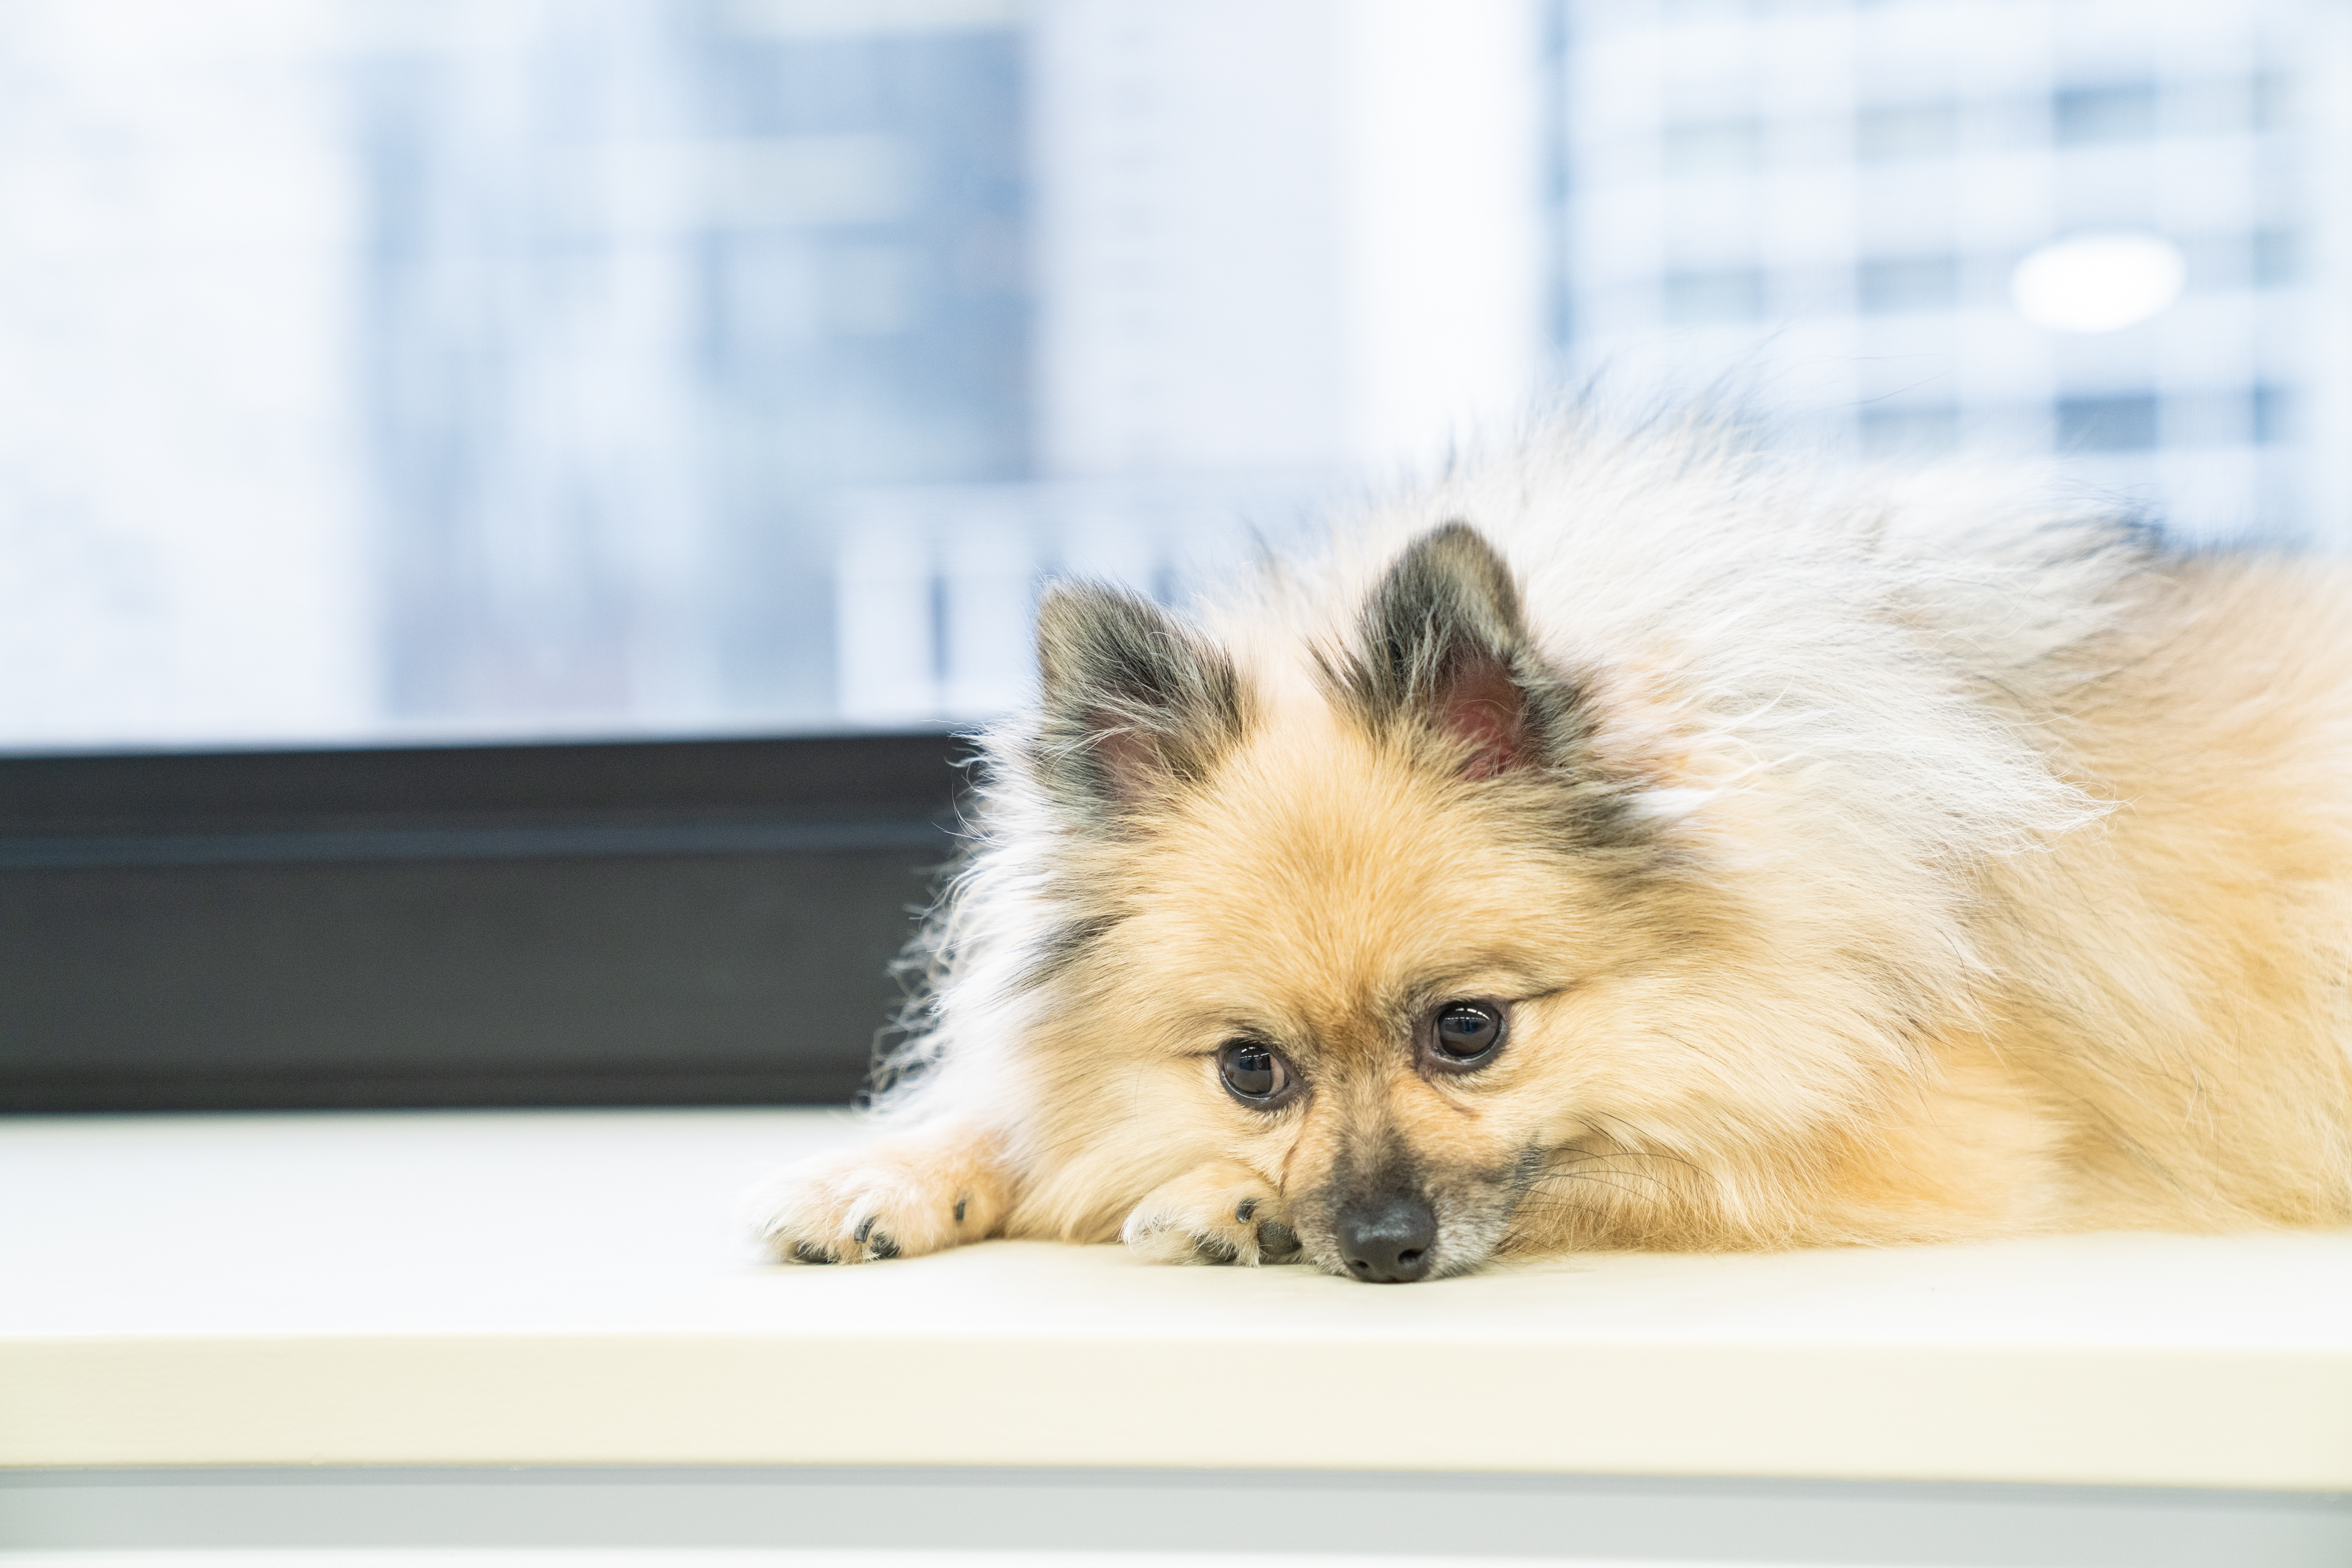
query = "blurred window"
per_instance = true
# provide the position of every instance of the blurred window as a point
(2121, 422)
(381, 371)
(1908, 283)
(2267, 99)
(377, 371)
(1898, 430)
(1886, 133)
(2121, 111)
(2270, 410)
(1713, 147)
(2037, 205)
(2273, 257)
(1716, 297)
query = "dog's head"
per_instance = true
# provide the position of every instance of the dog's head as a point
(1410, 946)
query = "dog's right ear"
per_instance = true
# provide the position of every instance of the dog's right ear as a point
(1135, 704)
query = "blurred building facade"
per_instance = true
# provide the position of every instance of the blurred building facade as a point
(751, 363)
(533, 367)
(1824, 208)
(645, 285)
(1280, 253)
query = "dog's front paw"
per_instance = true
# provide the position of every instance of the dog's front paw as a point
(895, 1200)
(1218, 1213)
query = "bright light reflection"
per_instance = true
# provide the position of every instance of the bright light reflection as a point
(2098, 283)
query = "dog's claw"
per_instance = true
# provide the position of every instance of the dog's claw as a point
(889, 1199)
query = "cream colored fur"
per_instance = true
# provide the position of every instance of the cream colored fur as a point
(1996, 879)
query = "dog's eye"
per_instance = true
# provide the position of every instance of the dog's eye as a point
(1464, 1034)
(1254, 1075)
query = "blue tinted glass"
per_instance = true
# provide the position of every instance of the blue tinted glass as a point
(379, 371)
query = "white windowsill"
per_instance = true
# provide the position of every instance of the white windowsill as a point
(550, 1288)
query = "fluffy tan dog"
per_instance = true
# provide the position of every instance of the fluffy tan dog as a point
(1627, 845)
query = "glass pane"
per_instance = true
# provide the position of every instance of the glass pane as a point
(395, 370)
(2099, 240)
(382, 369)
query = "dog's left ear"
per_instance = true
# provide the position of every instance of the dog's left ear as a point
(1444, 641)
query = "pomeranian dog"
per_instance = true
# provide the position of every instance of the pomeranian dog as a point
(1629, 843)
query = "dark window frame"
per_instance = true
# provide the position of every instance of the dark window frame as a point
(631, 923)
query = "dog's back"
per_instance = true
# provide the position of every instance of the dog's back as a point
(2174, 981)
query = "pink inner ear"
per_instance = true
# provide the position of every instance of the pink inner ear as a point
(1480, 703)
(1131, 762)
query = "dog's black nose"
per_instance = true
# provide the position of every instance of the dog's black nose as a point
(1387, 1240)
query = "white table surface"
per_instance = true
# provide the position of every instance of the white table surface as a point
(550, 1288)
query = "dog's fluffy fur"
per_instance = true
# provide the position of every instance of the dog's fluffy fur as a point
(1892, 862)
